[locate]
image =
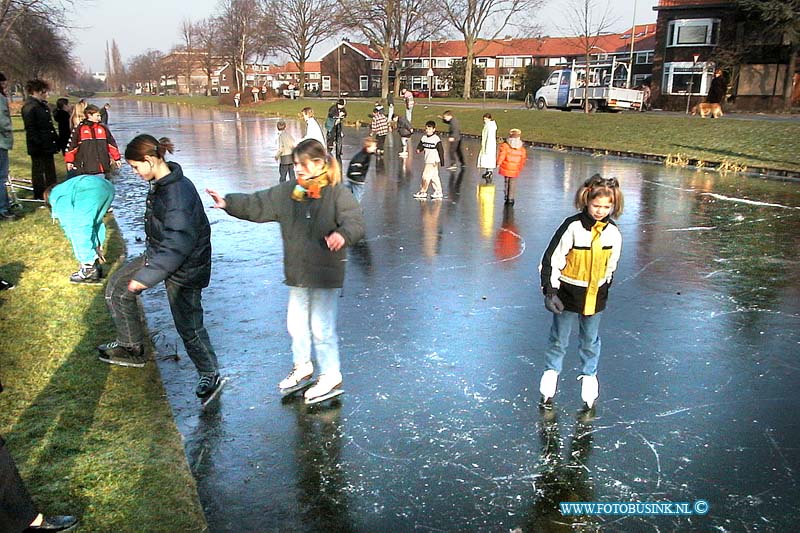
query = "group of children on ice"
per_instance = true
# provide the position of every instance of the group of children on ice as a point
(320, 217)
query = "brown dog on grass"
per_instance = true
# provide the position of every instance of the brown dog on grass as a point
(715, 110)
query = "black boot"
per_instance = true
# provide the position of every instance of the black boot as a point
(115, 354)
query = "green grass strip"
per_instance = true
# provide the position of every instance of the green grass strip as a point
(89, 438)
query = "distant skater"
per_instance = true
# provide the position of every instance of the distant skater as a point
(283, 154)
(454, 151)
(431, 145)
(319, 219)
(178, 253)
(358, 168)
(312, 130)
(379, 128)
(576, 273)
(405, 131)
(511, 161)
(487, 158)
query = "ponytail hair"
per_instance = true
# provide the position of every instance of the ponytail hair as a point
(598, 186)
(312, 149)
(144, 145)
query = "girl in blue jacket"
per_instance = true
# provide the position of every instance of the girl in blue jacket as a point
(178, 253)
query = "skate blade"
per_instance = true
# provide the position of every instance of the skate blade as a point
(303, 385)
(210, 398)
(546, 405)
(332, 394)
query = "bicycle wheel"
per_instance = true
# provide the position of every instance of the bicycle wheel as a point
(529, 101)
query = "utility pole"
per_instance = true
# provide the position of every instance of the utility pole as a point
(633, 39)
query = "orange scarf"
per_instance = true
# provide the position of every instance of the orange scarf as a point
(310, 188)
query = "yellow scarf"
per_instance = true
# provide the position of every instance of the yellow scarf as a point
(310, 188)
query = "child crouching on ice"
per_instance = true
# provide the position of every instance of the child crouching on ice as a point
(576, 273)
(319, 218)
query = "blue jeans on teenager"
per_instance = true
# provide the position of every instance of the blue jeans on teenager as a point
(311, 320)
(588, 341)
(187, 314)
(357, 188)
(4, 205)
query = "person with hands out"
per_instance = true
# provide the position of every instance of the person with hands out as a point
(576, 272)
(319, 218)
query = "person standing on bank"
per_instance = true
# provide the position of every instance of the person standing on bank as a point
(178, 253)
(717, 89)
(41, 136)
(577, 269)
(319, 218)
(487, 158)
(6, 144)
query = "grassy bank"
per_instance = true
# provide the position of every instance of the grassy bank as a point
(89, 439)
(736, 142)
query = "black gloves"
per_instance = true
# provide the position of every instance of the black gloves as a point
(553, 304)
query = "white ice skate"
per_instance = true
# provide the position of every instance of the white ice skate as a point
(328, 386)
(547, 387)
(590, 390)
(298, 379)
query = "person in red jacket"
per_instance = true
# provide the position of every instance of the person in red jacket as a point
(92, 149)
(511, 162)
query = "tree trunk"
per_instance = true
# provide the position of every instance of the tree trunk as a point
(302, 79)
(385, 77)
(788, 82)
(586, 86)
(467, 72)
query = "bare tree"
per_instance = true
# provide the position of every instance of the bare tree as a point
(377, 22)
(588, 21)
(300, 25)
(241, 34)
(414, 22)
(483, 19)
(35, 48)
(146, 69)
(49, 11)
(188, 34)
(109, 70)
(118, 67)
(207, 32)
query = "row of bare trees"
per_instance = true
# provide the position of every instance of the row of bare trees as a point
(32, 40)
(244, 31)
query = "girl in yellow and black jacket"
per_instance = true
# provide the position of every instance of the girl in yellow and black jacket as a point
(576, 273)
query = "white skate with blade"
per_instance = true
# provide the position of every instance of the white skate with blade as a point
(328, 386)
(298, 379)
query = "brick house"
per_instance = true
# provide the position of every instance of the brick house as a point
(717, 34)
(359, 67)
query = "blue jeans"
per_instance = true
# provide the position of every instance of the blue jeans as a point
(285, 172)
(588, 341)
(357, 188)
(311, 320)
(187, 314)
(4, 205)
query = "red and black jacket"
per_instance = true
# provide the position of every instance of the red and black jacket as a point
(91, 148)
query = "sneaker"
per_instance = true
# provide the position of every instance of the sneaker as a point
(590, 390)
(437, 196)
(86, 274)
(299, 373)
(325, 384)
(6, 285)
(421, 194)
(207, 385)
(547, 385)
(116, 354)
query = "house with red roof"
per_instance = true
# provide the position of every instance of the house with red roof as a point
(355, 68)
(695, 37)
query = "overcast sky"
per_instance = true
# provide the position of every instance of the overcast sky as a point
(141, 24)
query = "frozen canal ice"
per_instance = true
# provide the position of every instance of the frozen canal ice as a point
(442, 330)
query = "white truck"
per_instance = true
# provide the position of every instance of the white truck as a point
(566, 88)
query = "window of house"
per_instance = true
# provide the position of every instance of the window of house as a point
(693, 32)
(224, 77)
(507, 83)
(419, 83)
(638, 79)
(363, 83)
(487, 84)
(644, 58)
(683, 77)
(481, 61)
(326, 83)
(442, 63)
(441, 84)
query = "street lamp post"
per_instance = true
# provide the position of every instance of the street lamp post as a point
(430, 68)
(509, 82)
(695, 57)
(339, 69)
